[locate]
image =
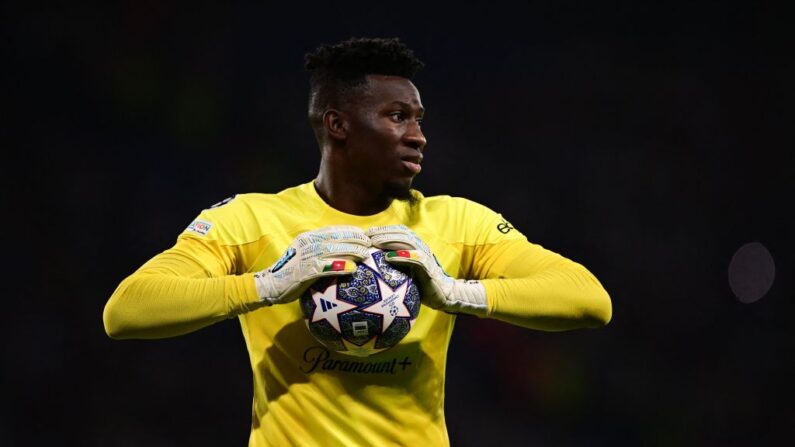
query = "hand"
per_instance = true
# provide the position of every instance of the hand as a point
(328, 251)
(437, 289)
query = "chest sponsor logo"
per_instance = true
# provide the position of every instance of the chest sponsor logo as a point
(318, 358)
(200, 227)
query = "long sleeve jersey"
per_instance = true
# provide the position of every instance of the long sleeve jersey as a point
(305, 394)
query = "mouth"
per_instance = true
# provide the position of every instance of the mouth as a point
(412, 163)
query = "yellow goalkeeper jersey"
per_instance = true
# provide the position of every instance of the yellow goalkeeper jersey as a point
(304, 394)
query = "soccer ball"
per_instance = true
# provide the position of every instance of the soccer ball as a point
(365, 312)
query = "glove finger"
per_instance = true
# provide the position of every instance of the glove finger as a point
(331, 267)
(315, 270)
(413, 258)
(394, 241)
(336, 250)
(373, 231)
(344, 233)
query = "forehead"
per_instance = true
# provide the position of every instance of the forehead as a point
(383, 89)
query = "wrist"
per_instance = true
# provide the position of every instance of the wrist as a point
(240, 294)
(264, 286)
(469, 297)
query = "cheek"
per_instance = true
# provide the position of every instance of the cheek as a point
(379, 143)
(375, 144)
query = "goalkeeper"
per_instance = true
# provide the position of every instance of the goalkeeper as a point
(251, 257)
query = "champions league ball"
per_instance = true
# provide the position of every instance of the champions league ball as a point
(365, 312)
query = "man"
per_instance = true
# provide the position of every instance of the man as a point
(231, 261)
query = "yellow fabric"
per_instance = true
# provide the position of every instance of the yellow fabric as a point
(305, 395)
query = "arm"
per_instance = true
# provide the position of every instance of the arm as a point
(508, 279)
(530, 286)
(176, 292)
(190, 286)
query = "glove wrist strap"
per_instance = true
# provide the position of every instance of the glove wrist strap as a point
(469, 297)
(263, 291)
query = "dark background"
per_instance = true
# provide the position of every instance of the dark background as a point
(648, 142)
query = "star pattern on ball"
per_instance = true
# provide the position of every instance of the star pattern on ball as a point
(391, 305)
(328, 307)
(369, 261)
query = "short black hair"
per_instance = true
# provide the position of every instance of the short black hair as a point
(340, 68)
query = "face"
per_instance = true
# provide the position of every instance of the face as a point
(384, 139)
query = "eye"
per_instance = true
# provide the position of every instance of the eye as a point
(398, 117)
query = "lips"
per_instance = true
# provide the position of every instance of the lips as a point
(415, 168)
(412, 163)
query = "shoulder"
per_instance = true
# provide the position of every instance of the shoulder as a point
(250, 204)
(237, 207)
(244, 217)
(451, 205)
(466, 221)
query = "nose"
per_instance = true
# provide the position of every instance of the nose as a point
(414, 136)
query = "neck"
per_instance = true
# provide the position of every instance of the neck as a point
(347, 195)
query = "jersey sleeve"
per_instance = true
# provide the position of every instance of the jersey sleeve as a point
(189, 286)
(527, 284)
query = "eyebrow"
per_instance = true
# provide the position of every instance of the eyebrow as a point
(408, 106)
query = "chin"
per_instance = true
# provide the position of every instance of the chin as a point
(400, 191)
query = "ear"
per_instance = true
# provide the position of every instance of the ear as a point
(336, 124)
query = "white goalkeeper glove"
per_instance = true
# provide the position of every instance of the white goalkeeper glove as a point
(437, 289)
(328, 251)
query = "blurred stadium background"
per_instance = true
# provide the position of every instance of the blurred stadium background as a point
(649, 142)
